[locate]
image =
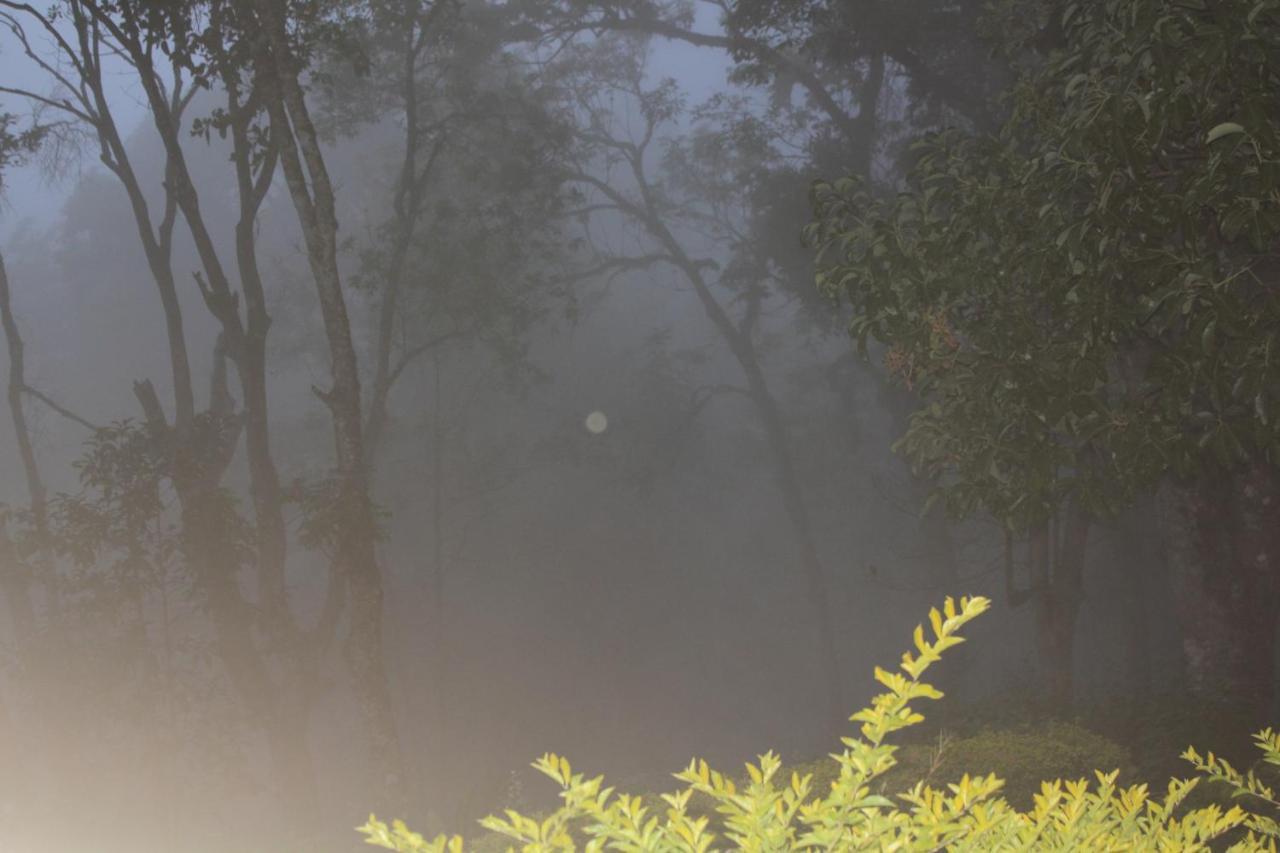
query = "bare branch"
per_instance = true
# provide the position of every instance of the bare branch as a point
(60, 409)
(416, 352)
(46, 24)
(62, 105)
(150, 402)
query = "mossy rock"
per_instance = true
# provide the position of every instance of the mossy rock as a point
(1024, 757)
(1027, 756)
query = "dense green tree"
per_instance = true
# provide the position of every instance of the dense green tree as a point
(1084, 299)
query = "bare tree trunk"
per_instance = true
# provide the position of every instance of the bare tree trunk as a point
(34, 655)
(816, 583)
(406, 207)
(1140, 555)
(738, 337)
(251, 364)
(415, 19)
(355, 537)
(1056, 590)
(16, 586)
(1228, 590)
(30, 468)
(1059, 608)
(245, 340)
(862, 131)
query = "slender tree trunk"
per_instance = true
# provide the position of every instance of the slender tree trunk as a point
(1136, 536)
(1227, 587)
(862, 131)
(1068, 593)
(417, 168)
(35, 655)
(437, 493)
(251, 368)
(287, 724)
(16, 586)
(1257, 555)
(814, 574)
(738, 338)
(313, 198)
(1057, 581)
(406, 207)
(22, 434)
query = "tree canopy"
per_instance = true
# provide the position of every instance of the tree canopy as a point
(1085, 299)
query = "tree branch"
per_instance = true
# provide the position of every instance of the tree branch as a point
(60, 409)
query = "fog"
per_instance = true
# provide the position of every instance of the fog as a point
(557, 445)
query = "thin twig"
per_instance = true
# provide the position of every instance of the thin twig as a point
(60, 409)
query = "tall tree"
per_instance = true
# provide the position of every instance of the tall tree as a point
(157, 44)
(282, 60)
(1083, 299)
(844, 85)
(15, 146)
(460, 243)
(15, 575)
(616, 173)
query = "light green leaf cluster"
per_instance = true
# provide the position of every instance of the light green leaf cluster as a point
(766, 813)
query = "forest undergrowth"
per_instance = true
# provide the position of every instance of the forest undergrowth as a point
(953, 795)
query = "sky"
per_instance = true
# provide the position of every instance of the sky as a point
(33, 196)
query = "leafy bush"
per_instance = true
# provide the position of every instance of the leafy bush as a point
(969, 814)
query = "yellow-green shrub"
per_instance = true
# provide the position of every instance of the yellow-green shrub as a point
(968, 814)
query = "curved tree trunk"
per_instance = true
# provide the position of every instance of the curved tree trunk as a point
(813, 572)
(26, 451)
(817, 588)
(15, 583)
(738, 338)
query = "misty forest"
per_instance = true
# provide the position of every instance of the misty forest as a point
(402, 390)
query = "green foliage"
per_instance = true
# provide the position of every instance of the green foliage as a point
(17, 144)
(764, 812)
(325, 508)
(1246, 785)
(1085, 300)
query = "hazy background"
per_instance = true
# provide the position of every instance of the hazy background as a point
(627, 598)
